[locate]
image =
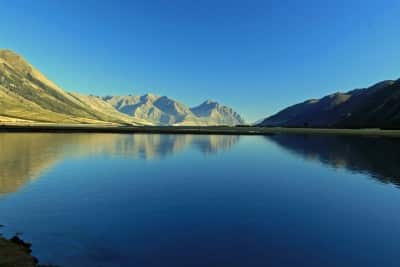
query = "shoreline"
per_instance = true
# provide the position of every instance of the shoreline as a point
(205, 130)
(15, 252)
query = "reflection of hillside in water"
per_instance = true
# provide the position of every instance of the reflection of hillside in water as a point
(24, 156)
(376, 156)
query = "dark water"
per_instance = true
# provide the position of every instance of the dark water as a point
(184, 200)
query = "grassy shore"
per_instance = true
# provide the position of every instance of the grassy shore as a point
(224, 130)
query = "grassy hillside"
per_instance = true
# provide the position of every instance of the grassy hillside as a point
(25, 93)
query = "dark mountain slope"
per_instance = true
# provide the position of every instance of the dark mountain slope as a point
(380, 108)
(375, 106)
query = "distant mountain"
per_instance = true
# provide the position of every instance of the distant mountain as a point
(26, 94)
(217, 113)
(150, 107)
(162, 110)
(375, 106)
(97, 103)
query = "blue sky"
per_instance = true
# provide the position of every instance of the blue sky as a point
(256, 56)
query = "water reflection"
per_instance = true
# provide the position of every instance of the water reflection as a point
(24, 157)
(376, 156)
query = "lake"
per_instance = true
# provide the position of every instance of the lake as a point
(202, 200)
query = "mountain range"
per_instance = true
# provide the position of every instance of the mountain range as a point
(28, 95)
(377, 106)
(162, 110)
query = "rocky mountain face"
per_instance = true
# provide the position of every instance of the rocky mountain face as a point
(375, 106)
(27, 95)
(162, 110)
(218, 113)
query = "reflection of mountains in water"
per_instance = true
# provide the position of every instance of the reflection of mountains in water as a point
(375, 156)
(24, 156)
(158, 146)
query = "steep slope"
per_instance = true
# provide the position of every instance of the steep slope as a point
(162, 110)
(25, 93)
(216, 113)
(369, 107)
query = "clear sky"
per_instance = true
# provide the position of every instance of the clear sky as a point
(256, 56)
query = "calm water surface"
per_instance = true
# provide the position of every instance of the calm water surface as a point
(185, 200)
